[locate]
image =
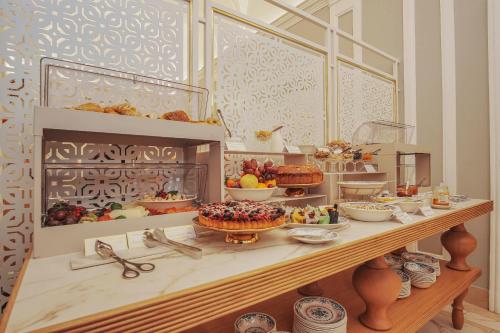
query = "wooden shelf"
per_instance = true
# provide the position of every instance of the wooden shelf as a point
(407, 315)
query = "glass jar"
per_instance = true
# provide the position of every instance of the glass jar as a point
(441, 196)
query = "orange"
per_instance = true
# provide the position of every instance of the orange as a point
(261, 185)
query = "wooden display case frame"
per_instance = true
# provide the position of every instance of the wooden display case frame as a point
(92, 127)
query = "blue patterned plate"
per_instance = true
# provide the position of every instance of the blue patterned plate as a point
(319, 310)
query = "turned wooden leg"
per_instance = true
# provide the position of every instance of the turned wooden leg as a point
(379, 287)
(312, 289)
(459, 243)
(457, 315)
(400, 251)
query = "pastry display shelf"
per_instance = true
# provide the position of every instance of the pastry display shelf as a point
(183, 293)
(408, 314)
(84, 126)
(64, 125)
(288, 158)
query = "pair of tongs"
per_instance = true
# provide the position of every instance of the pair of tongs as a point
(157, 237)
(106, 251)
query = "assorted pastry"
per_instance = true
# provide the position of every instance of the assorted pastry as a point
(340, 150)
(241, 215)
(314, 215)
(127, 109)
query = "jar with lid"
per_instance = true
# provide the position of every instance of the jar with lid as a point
(441, 196)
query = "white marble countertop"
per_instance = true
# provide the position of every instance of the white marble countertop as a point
(51, 293)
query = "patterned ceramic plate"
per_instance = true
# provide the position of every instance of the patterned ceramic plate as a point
(255, 322)
(320, 310)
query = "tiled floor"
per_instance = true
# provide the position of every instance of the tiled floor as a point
(477, 320)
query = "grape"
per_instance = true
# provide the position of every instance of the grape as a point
(60, 215)
(249, 171)
(268, 164)
(253, 162)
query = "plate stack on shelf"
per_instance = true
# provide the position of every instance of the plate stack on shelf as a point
(316, 314)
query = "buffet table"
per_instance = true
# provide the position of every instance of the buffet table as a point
(206, 295)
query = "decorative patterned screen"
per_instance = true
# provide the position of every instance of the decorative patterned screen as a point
(147, 37)
(362, 96)
(263, 81)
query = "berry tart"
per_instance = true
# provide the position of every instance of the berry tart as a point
(241, 215)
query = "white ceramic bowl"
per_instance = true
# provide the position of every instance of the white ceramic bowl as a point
(393, 261)
(358, 211)
(161, 205)
(255, 322)
(410, 206)
(423, 258)
(361, 187)
(254, 194)
(422, 276)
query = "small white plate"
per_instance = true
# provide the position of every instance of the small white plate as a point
(313, 235)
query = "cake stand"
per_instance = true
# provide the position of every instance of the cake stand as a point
(243, 236)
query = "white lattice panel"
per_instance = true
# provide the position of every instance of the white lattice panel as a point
(263, 81)
(362, 96)
(143, 36)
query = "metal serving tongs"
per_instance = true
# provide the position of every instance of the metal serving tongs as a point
(158, 237)
(106, 251)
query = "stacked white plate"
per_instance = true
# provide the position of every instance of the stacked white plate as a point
(317, 314)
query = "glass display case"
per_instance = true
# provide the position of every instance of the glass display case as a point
(66, 85)
(97, 192)
(381, 131)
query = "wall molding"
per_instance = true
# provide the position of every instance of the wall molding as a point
(449, 94)
(410, 66)
(494, 113)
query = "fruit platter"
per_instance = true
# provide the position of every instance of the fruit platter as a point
(324, 217)
(242, 221)
(162, 200)
(63, 213)
(257, 182)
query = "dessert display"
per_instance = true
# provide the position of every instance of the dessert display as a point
(241, 220)
(241, 215)
(324, 217)
(368, 212)
(298, 175)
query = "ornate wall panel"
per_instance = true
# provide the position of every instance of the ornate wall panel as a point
(362, 96)
(262, 81)
(143, 36)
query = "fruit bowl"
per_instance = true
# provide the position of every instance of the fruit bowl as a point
(254, 194)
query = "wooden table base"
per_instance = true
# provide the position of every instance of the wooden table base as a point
(379, 287)
(459, 243)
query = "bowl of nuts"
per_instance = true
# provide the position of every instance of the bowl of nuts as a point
(368, 211)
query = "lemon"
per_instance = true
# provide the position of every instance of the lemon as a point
(249, 181)
(262, 185)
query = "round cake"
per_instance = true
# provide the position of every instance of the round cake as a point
(241, 215)
(299, 174)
